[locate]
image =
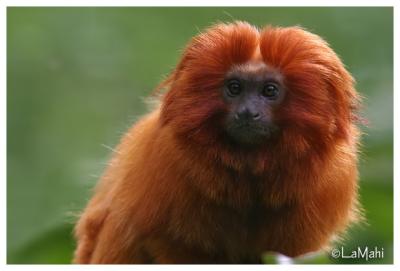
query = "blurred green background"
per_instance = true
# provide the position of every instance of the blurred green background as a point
(76, 79)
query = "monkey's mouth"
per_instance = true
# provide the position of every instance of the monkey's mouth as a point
(250, 133)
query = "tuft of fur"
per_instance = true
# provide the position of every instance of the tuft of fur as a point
(177, 191)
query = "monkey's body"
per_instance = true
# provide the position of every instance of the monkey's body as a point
(163, 217)
(180, 190)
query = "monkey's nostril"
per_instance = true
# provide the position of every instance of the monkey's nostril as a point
(247, 116)
(256, 116)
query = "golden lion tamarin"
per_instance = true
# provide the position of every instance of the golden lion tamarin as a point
(253, 148)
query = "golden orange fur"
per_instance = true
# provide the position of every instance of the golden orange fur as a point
(177, 192)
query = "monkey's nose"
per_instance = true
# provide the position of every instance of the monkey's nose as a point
(244, 114)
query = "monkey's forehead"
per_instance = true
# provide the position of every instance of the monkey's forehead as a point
(254, 69)
(252, 66)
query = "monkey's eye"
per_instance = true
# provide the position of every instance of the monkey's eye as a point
(233, 88)
(270, 91)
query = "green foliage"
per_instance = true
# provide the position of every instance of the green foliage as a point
(75, 82)
(53, 247)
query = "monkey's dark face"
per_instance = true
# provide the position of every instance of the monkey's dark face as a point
(252, 92)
